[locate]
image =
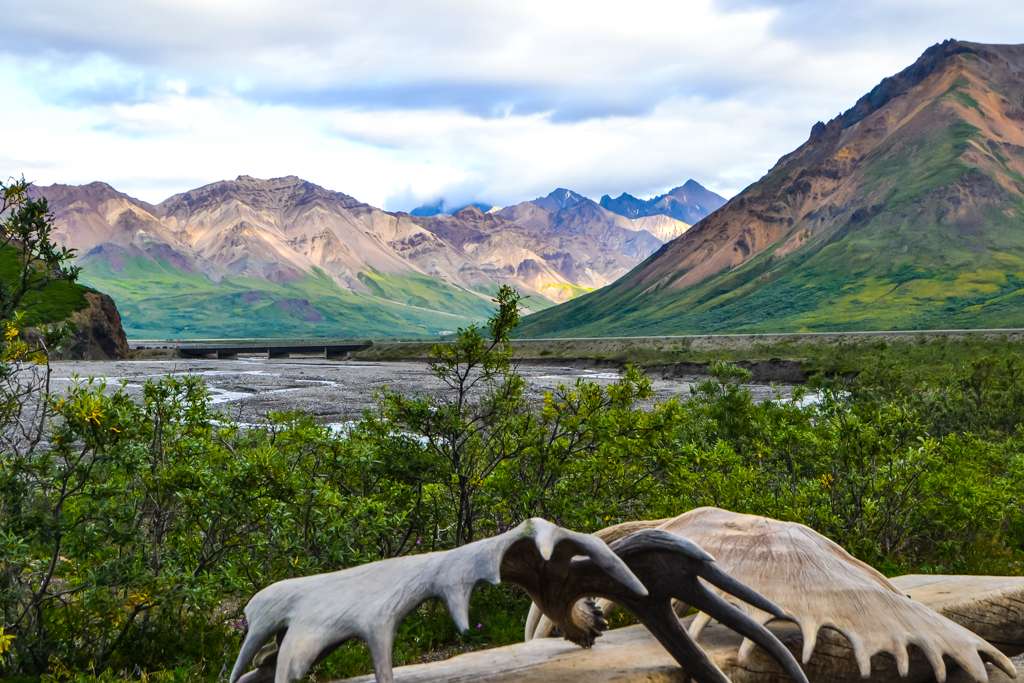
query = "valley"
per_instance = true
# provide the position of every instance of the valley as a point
(266, 422)
(335, 392)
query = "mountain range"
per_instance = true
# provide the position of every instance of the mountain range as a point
(904, 212)
(286, 257)
(688, 203)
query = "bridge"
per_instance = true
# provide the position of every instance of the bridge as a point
(585, 347)
(273, 348)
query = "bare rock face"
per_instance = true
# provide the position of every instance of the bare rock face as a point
(556, 246)
(98, 332)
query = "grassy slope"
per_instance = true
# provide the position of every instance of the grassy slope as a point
(905, 268)
(157, 300)
(53, 304)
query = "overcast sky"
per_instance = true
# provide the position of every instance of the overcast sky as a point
(405, 101)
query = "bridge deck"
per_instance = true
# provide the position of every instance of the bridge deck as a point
(230, 348)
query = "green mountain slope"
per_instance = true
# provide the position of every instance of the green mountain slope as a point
(159, 300)
(905, 212)
(57, 302)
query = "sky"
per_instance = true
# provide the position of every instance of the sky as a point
(400, 102)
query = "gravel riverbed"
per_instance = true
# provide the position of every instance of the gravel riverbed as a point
(334, 391)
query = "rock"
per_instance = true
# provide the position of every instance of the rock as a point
(98, 331)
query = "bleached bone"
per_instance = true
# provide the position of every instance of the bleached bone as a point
(820, 585)
(671, 568)
(312, 616)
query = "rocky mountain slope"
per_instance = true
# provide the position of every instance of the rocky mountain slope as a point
(906, 211)
(274, 257)
(285, 257)
(557, 246)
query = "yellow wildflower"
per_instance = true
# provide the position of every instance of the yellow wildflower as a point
(6, 641)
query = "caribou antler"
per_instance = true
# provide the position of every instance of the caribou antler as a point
(312, 616)
(820, 585)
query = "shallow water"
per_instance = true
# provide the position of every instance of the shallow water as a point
(335, 391)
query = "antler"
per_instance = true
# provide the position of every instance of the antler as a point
(671, 568)
(820, 585)
(313, 615)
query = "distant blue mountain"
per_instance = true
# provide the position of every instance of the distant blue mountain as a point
(442, 207)
(690, 202)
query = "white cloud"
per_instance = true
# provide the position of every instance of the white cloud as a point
(392, 101)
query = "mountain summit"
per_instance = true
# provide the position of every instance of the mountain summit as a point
(689, 203)
(905, 211)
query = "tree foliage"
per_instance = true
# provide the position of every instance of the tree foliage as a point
(26, 227)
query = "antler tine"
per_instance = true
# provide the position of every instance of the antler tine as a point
(670, 567)
(657, 616)
(972, 661)
(825, 586)
(711, 604)
(718, 578)
(533, 619)
(549, 536)
(1000, 660)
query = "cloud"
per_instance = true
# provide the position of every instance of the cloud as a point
(396, 102)
(882, 25)
(577, 59)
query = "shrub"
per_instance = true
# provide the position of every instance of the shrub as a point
(132, 532)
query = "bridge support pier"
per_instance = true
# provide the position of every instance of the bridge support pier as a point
(197, 354)
(283, 348)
